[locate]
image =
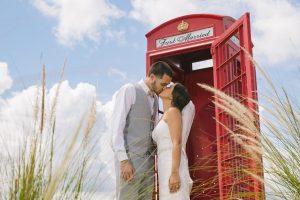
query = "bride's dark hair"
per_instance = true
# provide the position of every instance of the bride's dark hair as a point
(180, 96)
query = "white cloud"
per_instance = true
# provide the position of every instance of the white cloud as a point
(155, 12)
(77, 19)
(17, 122)
(116, 36)
(17, 113)
(276, 29)
(5, 80)
(116, 72)
(44, 7)
(274, 23)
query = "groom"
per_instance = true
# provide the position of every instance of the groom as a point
(134, 115)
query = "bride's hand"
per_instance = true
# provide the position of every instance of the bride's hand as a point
(174, 182)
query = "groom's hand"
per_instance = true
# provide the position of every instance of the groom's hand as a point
(127, 171)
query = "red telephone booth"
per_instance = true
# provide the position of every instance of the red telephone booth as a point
(206, 48)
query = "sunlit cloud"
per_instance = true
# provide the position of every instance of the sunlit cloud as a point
(5, 79)
(117, 73)
(17, 119)
(79, 20)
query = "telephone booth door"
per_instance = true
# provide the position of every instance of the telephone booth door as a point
(234, 74)
(216, 59)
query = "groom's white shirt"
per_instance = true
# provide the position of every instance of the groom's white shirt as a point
(124, 99)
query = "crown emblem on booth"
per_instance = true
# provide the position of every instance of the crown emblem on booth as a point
(182, 26)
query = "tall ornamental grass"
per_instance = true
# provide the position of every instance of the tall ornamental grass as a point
(276, 139)
(40, 172)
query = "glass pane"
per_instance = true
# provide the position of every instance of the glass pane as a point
(202, 64)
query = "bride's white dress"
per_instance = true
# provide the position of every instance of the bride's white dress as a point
(161, 136)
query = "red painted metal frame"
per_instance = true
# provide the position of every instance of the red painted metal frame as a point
(241, 81)
(225, 63)
(169, 28)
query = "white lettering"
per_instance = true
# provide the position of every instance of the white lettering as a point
(186, 37)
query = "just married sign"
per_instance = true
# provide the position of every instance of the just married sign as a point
(186, 37)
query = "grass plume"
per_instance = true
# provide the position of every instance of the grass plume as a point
(32, 174)
(273, 134)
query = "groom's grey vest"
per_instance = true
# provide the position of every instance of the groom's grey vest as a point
(137, 132)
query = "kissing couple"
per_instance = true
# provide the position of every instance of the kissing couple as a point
(138, 134)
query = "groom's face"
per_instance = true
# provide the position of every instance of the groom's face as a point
(158, 84)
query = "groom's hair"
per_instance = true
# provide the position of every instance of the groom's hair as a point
(160, 68)
(180, 96)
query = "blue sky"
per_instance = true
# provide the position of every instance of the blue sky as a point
(111, 53)
(104, 44)
(28, 41)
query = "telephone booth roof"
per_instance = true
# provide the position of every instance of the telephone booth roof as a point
(193, 23)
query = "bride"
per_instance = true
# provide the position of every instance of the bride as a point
(171, 135)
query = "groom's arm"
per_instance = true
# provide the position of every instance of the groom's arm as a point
(123, 101)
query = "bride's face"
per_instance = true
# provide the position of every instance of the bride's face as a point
(167, 92)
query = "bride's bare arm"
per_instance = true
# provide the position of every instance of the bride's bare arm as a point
(175, 126)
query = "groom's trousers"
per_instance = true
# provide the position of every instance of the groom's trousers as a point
(142, 186)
